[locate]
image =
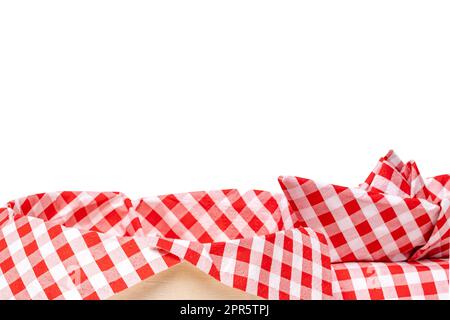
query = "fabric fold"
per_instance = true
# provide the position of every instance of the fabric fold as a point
(418, 280)
(395, 215)
(392, 176)
(91, 245)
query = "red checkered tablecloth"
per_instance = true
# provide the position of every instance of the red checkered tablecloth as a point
(395, 215)
(389, 238)
(88, 245)
(426, 279)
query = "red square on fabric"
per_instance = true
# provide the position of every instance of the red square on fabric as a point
(188, 220)
(24, 229)
(315, 198)
(26, 206)
(374, 246)
(65, 252)
(31, 248)
(54, 231)
(153, 217)
(338, 239)
(206, 202)
(17, 286)
(113, 218)
(266, 262)
(243, 254)
(130, 248)
(352, 206)
(363, 228)
(50, 211)
(327, 219)
(388, 214)
(7, 264)
(376, 293)
(429, 288)
(223, 222)
(40, 268)
(118, 285)
(91, 239)
(403, 291)
(239, 282)
(144, 272)
(192, 256)
(256, 224)
(286, 271)
(105, 263)
(263, 290)
(52, 292)
(398, 233)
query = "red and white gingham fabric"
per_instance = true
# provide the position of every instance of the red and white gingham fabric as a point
(88, 245)
(393, 176)
(393, 216)
(417, 280)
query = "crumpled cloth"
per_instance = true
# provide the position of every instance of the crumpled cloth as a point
(394, 216)
(392, 176)
(91, 245)
(387, 239)
(426, 279)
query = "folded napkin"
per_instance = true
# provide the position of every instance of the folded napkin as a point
(396, 215)
(89, 245)
(392, 176)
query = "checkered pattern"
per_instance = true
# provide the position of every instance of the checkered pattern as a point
(215, 215)
(438, 245)
(439, 186)
(103, 212)
(87, 245)
(426, 279)
(393, 216)
(392, 176)
(361, 225)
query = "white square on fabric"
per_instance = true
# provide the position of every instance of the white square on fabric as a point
(124, 267)
(23, 266)
(84, 257)
(412, 277)
(274, 280)
(111, 244)
(58, 272)
(3, 282)
(71, 234)
(257, 245)
(253, 272)
(158, 265)
(150, 254)
(359, 283)
(98, 280)
(370, 210)
(46, 249)
(15, 246)
(38, 229)
(385, 281)
(333, 202)
(228, 265)
(72, 294)
(8, 229)
(440, 275)
(34, 288)
(180, 247)
(345, 223)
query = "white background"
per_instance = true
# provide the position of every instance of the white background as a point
(170, 96)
